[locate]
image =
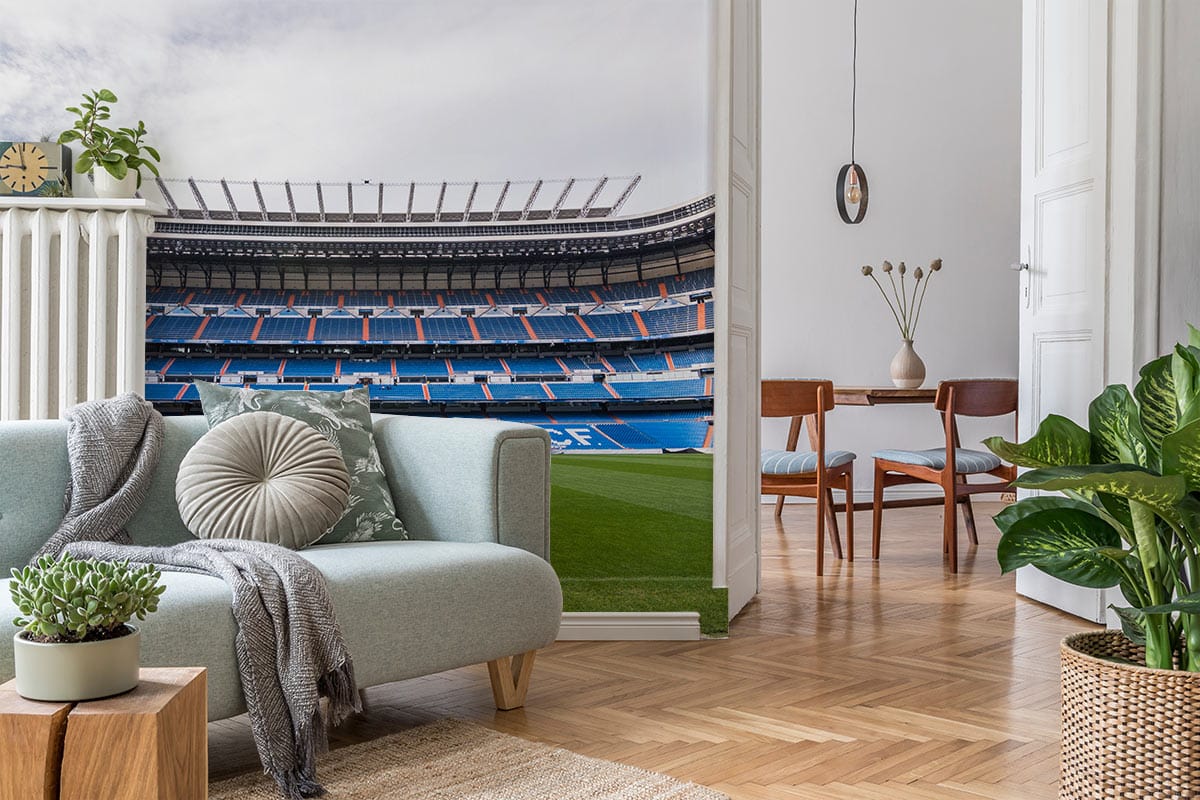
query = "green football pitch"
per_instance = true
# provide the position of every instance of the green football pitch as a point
(634, 533)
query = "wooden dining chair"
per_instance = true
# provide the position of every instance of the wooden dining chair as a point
(811, 473)
(950, 466)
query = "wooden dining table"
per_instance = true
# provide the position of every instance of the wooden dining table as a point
(880, 396)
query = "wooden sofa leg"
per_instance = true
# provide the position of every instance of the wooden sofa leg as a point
(510, 679)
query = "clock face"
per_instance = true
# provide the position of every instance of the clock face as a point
(24, 167)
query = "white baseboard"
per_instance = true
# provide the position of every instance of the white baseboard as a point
(596, 626)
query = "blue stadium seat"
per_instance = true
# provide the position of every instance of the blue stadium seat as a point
(613, 326)
(447, 329)
(659, 390)
(534, 366)
(691, 358)
(421, 368)
(393, 329)
(308, 368)
(456, 392)
(569, 390)
(283, 329)
(338, 329)
(172, 328)
(501, 329)
(556, 328)
(206, 368)
(517, 391)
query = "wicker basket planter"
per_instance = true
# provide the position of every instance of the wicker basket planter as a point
(1128, 732)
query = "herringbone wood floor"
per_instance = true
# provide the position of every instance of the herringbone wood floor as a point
(889, 680)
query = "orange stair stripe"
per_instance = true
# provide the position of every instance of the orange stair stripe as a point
(708, 386)
(474, 330)
(670, 361)
(200, 328)
(312, 328)
(487, 392)
(150, 319)
(449, 367)
(611, 390)
(528, 327)
(391, 300)
(708, 436)
(441, 301)
(366, 333)
(546, 389)
(662, 290)
(341, 300)
(182, 391)
(586, 330)
(490, 301)
(241, 299)
(504, 364)
(701, 322)
(540, 298)
(420, 329)
(291, 299)
(257, 327)
(187, 301)
(282, 364)
(225, 366)
(641, 326)
(393, 367)
(337, 368)
(607, 365)
(166, 367)
(562, 364)
(425, 391)
(596, 297)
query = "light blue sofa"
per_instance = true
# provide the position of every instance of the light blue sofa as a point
(473, 585)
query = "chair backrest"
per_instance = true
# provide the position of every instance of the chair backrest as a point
(796, 398)
(981, 397)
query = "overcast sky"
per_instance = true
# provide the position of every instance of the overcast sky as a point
(424, 90)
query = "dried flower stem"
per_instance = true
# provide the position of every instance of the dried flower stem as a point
(888, 300)
(920, 303)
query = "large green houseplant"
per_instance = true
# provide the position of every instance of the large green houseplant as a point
(1127, 516)
(1129, 512)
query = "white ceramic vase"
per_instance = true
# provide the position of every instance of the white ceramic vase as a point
(908, 370)
(109, 188)
(73, 672)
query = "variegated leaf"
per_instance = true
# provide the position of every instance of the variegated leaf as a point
(1072, 544)
(1161, 493)
(1057, 442)
(1181, 454)
(1185, 373)
(1116, 429)
(1155, 393)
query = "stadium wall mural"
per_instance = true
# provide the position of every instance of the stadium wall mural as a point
(472, 209)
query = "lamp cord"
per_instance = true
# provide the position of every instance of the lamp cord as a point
(854, 83)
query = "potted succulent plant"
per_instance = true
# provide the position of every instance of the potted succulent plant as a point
(76, 643)
(115, 157)
(1128, 516)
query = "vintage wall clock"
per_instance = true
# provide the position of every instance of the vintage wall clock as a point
(41, 169)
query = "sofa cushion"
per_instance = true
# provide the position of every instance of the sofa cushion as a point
(406, 609)
(263, 477)
(344, 418)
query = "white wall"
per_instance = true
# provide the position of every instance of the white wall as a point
(1179, 269)
(938, 135)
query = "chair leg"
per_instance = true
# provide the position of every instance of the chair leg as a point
(835, 536)
(850, 515)
(950, 527)
(779, 507)
(877, 511)
(969, 519)
(820, 533)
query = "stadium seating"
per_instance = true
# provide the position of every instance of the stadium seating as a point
(517, 391)
(658, 390)
(501, 328)
(456, 392)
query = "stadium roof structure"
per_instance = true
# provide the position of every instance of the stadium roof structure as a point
(374, 201)
(358, 250)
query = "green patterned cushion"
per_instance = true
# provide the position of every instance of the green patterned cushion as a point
(344, 418)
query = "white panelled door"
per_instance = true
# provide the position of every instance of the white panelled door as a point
(1064, 167)
(736, 301)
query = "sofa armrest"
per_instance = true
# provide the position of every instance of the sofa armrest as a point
(469, 480)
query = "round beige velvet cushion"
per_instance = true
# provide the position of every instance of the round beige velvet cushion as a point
(262, 476)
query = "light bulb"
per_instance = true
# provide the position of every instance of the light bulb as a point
(853, 193)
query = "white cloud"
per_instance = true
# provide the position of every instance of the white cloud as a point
(416, 90)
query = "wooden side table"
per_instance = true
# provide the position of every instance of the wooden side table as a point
(148, 744)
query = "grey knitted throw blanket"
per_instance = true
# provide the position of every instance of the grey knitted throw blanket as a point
(289, 647)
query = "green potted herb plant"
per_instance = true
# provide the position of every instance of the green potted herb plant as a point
(1127, 516)
(114, 156)
(76, 643)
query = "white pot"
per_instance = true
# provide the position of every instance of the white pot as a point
(110, 188)
(71, 672)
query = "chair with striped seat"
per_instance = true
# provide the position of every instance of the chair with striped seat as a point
(813, 473)
(951, 465)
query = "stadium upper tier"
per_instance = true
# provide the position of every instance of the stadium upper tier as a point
(520, 367)
(392, 326)
(478, 300)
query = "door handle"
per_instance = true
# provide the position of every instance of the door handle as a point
(1019, 266)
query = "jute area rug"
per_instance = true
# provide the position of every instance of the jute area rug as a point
(454, 760)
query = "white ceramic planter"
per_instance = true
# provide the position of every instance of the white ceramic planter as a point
(907, 368)
(110, 188)
(68, 673)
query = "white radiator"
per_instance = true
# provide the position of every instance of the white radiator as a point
(72, 302)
